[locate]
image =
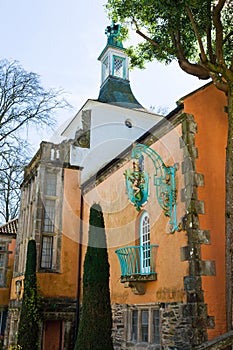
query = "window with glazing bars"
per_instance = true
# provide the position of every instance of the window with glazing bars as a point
(155, 327)
(145, 324)
(118, 67)
(2, 260)
(49, 215)
(105, 69)
(51, 184)
(134, 333)
(2, 277)
(46, 252)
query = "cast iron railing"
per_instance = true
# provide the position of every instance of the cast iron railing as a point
(137, 262)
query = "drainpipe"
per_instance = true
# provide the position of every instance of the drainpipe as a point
(79, 267)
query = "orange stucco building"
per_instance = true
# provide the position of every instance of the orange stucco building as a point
(211, 140)
(161, 184)
(7, 249)
(189, 287)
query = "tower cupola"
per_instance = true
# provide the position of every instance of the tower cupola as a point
(115, 86)
(114, 59)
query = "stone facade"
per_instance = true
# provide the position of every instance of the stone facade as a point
(176, 327)
(196, 309)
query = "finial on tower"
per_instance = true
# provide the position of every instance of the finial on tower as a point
(113, 33)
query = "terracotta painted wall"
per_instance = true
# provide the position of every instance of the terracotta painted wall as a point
(207, 107)
(65, 283)
(5, 292)
(121, 220)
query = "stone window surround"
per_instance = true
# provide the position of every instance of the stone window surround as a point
(128, 325)
(55, 265)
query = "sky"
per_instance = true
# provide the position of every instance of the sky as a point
(61, 40)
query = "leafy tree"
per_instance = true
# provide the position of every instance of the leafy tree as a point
(198, 34)
(96, 321)
(28, 332)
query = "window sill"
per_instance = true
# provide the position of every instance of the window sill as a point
(139, 278)
(41, 270)
(142, 346)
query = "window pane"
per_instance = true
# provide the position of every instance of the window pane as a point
(156, 327)
(3, 322)
(134, 325)
(46, 252)
(105, 69)
(49, 216)
(1, 277)
(51, 184)
(145, 243)
(118, 67)
(2, 260)
(145, 320)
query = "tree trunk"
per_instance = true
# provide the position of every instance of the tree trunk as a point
(229, 211)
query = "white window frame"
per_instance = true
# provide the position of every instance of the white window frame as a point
(105, 68)
(145, 252)
(122, 75)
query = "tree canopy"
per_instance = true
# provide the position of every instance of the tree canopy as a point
(196, 33)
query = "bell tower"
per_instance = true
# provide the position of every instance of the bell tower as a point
(113, 58)
(115, 87)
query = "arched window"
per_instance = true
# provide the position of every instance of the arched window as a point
(145, 242)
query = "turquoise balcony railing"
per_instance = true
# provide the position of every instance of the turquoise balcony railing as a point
(138, 262)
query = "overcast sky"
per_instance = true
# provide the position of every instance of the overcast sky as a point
(61, 41)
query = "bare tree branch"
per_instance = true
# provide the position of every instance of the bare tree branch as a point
(23, 100)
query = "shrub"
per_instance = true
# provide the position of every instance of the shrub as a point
(96, 321)
(29, 317)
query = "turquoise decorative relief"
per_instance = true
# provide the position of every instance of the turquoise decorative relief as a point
(137, 183)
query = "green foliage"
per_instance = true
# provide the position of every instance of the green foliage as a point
(177, 30)
(29, 318)
(96, 320)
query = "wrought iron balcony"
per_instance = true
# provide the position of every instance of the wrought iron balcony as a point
(138, 263)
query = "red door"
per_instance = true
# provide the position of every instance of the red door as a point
(52, 335)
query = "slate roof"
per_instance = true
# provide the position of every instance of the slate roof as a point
(9, 228)
(118, 92)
